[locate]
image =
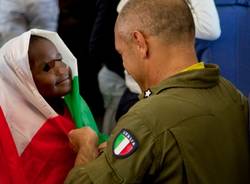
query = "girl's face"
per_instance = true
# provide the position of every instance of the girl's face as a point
(51, 76)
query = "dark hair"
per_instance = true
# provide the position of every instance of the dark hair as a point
(171, 20)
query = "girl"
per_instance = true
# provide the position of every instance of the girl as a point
(39, 105)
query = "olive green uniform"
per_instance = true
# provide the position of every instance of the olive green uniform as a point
(191, 129)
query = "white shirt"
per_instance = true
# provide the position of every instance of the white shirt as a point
(206, 19)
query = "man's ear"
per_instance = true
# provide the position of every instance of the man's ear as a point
(141, 43)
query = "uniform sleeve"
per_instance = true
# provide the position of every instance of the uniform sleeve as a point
(114, 166)
(77, 175)
(206, 19)
(157, 159)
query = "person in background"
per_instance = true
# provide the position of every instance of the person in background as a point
(18, 16)
(39, 105)
(76, 20)
(231, 50)
(103, 53)
(207, 27)
(190, 124)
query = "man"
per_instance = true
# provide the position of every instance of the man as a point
(207, 27)
(190, 126)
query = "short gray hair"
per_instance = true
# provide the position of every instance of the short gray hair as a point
(171, 20)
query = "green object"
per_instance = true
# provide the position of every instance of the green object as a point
(80, 111)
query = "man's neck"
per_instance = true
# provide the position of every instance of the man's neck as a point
(167, 64)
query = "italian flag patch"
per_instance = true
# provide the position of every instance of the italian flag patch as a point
(124, 144)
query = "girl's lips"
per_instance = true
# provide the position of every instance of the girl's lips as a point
(62, 80)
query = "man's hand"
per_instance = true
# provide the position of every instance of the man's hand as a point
(85, 142)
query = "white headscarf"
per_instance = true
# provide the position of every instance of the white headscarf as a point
(25, 110)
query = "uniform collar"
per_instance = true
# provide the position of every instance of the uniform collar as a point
(196, 66)
(204, 78)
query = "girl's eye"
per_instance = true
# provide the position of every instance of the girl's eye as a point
(46, 67)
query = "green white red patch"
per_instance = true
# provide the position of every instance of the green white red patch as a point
(124, 144)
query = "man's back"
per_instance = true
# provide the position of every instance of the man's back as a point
(200, 123)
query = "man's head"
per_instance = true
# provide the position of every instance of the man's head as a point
(51, 76)
(171, 20)
(144, 25)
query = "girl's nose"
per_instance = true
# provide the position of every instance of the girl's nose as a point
(61, 68)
